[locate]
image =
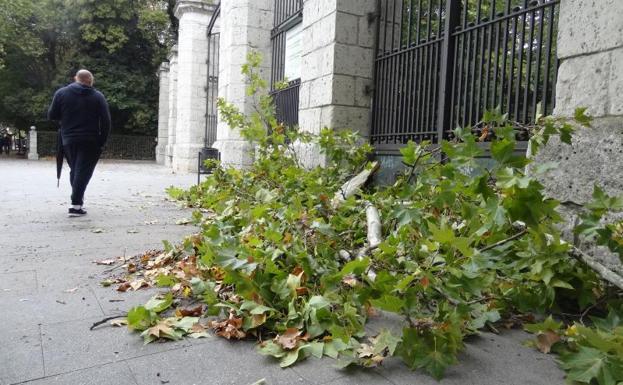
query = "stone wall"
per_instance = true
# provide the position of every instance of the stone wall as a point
(245, 27)
(338, 62)
(590, 47)
(337, 68)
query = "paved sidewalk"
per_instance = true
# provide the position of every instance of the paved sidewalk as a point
(45, 336)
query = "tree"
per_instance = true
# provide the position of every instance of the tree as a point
(44, 42)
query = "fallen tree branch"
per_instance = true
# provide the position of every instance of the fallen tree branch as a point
(98, 323)
(353, 185)
(373, 219)
(605, 273)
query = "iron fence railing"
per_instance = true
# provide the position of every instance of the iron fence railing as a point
(288, 13)
(131, 147)
(287, 103)
(500, 53)
(212, 83)
(212, 90)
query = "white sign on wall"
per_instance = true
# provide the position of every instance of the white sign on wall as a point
(294, 51)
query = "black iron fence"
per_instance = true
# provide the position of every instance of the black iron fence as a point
(287, 103)
(288, 13)
(499, 53)
(118, 147)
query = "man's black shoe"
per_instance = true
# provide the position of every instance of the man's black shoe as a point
(76, 212)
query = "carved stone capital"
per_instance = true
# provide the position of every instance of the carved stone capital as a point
(196, 6)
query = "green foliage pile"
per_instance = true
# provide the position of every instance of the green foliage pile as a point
(44, 42)
(287, 260)
(590, 355)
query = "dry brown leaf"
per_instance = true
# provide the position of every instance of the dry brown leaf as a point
(198, 328)
(301, 291)
(229, 328)
(484, 135)
(161, 329)
(123, 287)
(138, 284)
(196, 311)
(289, 339)
(546, 340)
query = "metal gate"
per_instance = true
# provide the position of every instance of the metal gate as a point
(441, 63)
(212, 86)
(211, 121)
(288, 13)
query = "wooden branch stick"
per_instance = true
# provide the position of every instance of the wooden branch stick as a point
(353, 185)
(373, 219)
(98, 323)
(504, 241)
(605, 273)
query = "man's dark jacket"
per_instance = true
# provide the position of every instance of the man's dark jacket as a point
(83, 113)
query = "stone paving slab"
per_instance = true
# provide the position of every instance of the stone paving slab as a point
(215, 362)
(50, 295)
(108, 374)
(48, 307)
(21, 347)
(70, 346)
(18, 282)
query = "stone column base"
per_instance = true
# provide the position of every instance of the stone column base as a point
(186, 157)
(168, 155)
(235, 153)
(161, 150)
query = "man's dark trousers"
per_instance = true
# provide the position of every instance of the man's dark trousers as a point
(82, 157)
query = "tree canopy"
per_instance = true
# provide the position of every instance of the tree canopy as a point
(44, 42)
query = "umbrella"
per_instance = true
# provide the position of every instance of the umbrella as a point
(60, 154)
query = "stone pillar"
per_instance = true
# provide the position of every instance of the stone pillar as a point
(245, 27)
(194, 17)
(172, 120)
(337, 67)
(163, 113)
(590, 47)
(32, 144)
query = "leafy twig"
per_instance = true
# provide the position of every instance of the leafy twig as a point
(504, 241)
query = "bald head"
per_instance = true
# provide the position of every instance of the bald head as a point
(84, 77)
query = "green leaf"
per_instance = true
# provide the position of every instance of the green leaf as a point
(291, 357)
(165, 280)
(548, 324)
(388, 302)
(386, 340)
(409, 153)
(581, 117)
(357, 267)
(588, 364)
(159, 303)
(139, 318)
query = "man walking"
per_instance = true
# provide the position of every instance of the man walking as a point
(85, 124)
